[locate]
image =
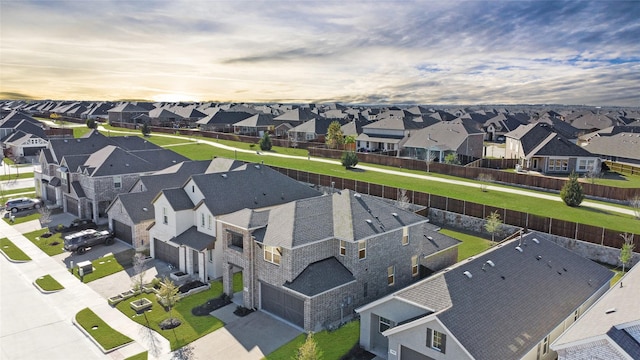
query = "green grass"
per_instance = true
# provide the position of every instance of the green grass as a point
(12, 251)
(141, 356)
(8, 161)
(237, 282)
(192, 327)
(333, 345)
(48, 283)
(104, 334)
(80, 131)
(619, 180)
(19, 219)
(47, 244)
(102, 267)
(539, 207)
(16, 175)
(471, 245)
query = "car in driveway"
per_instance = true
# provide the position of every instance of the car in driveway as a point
(23, 203)
(81, 241)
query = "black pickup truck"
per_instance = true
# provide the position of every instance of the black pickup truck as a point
(80, 241)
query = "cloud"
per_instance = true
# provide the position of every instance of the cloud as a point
(410, 52)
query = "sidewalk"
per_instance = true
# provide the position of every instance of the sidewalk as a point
(36, 324)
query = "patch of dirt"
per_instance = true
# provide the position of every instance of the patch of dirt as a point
(242, 311)
(169, 324)
(358, 353)
(55, 243)
(190, 285)
(211, 305)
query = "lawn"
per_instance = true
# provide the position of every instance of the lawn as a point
(141, 356)
(17, 174)
(19, 219)
(52, 245)
(7, 193)
(471, 245)
(12, 251)
(192, 327)
(620, 180)
(105, 335)
(48, 283)
(102, 267)
(333, 345)
(80, 131)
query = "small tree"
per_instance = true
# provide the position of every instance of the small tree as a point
(55, 117)
(334, 136)
(349, 159)
(45, 216)
(138, 271)
(309, 349)
(452, 158)
(168, 294)
(350, 143)
(91, 123)
(484, 180)
(592, 174)
(626, 252)
(265, 142)
(493, 224)
(635, 204)
(145, 130)
(572, 193)
(403, 200)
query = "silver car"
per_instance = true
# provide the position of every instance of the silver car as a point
(23, 203)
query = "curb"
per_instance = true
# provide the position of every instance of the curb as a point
(43, 290)
(73, 320)
(12, 260)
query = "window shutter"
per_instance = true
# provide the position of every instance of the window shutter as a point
(444, 343)
(429, 337)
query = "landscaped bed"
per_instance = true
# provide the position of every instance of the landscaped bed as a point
(102, 267)
(12, 251)
(51, 245)
(100, 331)
(48, 283)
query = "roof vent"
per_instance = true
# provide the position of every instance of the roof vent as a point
(491, 263)
(368, 221)
(127, 165)
(394, 214)
(356, 195)
(538, 257)
(519, 248)
(468, 274)
(145, 209)
(257, 166)
(429, 237)
(224, 175)
(536, 241)
(609, 311)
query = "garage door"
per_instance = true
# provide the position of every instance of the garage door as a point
(409, 354)
(72, 206)
(166, 252)
(51, 193)
(122, 232)
(282, 304)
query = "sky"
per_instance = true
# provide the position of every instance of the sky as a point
(367, 52)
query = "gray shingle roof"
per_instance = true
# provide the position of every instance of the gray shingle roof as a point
(313, 280)
(521, 299)
(194, 239)
(135, 204)
(178, 199)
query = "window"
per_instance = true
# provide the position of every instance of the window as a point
(272, 254)
(209, 221)
(384, 324)
(117, 181)
(235, 240)
(165, 217)
(210, 255)
(343, 247)
(558, 165)
(391, 276)
(436, 340)
(405, 236)
(545, 345)
(202, 220)
(362, 249)
(586, 164)
(414, 265)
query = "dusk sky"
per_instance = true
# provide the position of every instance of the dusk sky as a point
(374, 52)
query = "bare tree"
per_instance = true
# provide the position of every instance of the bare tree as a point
(137, 278)
(635, 204)
(45, 216)
(309, 349)
(484, 179)
(592, 174)
(493, 224)
(626, 252)
(403, 200)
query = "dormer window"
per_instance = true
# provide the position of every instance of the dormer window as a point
(117, 182)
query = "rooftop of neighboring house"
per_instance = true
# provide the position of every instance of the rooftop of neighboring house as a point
(615, 316)
(623, 145)
(444, 135)
(527, 285)
(540, 139)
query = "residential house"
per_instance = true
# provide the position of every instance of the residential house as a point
(615, 143)
(542, 149)
(186, 232)
(499, 125)
(255, 125)
(312, 261)
(84, 175)
(312, 130)
(610, 329)
(390, 132)
(124, 113)
(510, 302)
(446, 137)
(223, 120)
(21, 136)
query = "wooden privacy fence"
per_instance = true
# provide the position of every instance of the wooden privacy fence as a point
(568, 229)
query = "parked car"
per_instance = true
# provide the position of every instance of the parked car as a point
(79, 242)
(23, 203)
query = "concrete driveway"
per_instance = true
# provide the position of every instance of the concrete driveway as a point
(243, 338)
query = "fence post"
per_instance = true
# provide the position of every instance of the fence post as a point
(602, 237)
(575, 236)
(550, 221)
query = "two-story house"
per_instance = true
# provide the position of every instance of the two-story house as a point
(185, 231)
(311, 262)
(436, 141)
(510, 302)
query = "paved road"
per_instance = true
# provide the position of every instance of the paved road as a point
(539, 195)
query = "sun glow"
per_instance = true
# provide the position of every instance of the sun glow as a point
(173, 98)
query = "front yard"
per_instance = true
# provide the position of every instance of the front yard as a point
(102, 267)
(12, 251)
(52, 245)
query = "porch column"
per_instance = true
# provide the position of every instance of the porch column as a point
(59, 196)
(181, 258)
(94, 205)
(202, 266)
(227, 278)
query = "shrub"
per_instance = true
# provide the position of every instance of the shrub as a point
(265, 142)
(349, 159)
(572, 193)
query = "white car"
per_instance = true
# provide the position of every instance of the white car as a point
(23, 203)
